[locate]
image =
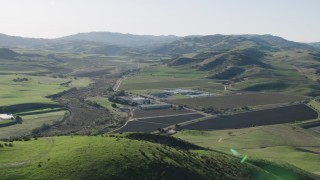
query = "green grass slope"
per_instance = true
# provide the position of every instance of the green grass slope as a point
(277, 143)
(250, 62)
(122, 157)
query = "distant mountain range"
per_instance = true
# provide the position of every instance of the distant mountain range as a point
(227, 42)
(108, 38)
(15, 41)
(109, 43)
(156, 44)
(253, 62)
(315, 44)
(122, 39)
(239, 59)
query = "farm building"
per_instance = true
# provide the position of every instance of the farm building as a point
(140, 100)
(6, 116)
(123, 99)
(124, 109)
(155, 106)
(161, 95)
(132, 100)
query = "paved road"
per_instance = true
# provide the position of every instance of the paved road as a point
(118, 83)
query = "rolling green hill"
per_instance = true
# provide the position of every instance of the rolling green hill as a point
(196, 44)
(250, 62)
(6, 53)
(129, 156)
(281, 143)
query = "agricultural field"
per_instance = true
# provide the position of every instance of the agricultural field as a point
(152, 124)
(139, 113)
(287, 114)
(170, 120)
(28, 80)
(25, 95)
(167, 83)
(2, 122)
(314, 124)
(241, 100)
(161, 77)
(34, 89)
(315, 104)
(283, 143)
(31, 122)
(137, 126)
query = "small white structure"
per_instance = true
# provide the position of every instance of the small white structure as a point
(6, 116)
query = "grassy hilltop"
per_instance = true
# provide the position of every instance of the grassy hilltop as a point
(126, 156)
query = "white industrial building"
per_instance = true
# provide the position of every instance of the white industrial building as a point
(6, 116)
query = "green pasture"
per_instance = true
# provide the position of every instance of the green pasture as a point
(281, 77)
(9, 67)
(31, 122)
(85, 157)
(315, 105)
(5, 121)
(34, 90)
(118, 157)
(166, 71)
(161, 77)
(279, 143)
(28, 99)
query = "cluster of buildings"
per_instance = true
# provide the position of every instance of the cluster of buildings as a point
(140, 102)
(129, 100)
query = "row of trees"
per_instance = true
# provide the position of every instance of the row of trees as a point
(6, 145)
(20, 79)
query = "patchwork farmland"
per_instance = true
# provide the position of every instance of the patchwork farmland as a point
(287, 114)
(170, 84)
(158, 112)
(152, 124)
(161, 77)
(232, 101)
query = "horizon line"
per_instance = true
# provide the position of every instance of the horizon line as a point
(181, 36)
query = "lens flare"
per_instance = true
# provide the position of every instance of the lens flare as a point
(234, 152)
(244, 159)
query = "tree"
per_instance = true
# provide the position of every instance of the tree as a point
(114, 105)
(246, 108)
(110, 89)
(122, 93)
(18, 120)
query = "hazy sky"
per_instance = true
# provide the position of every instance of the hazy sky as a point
(297, 20)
